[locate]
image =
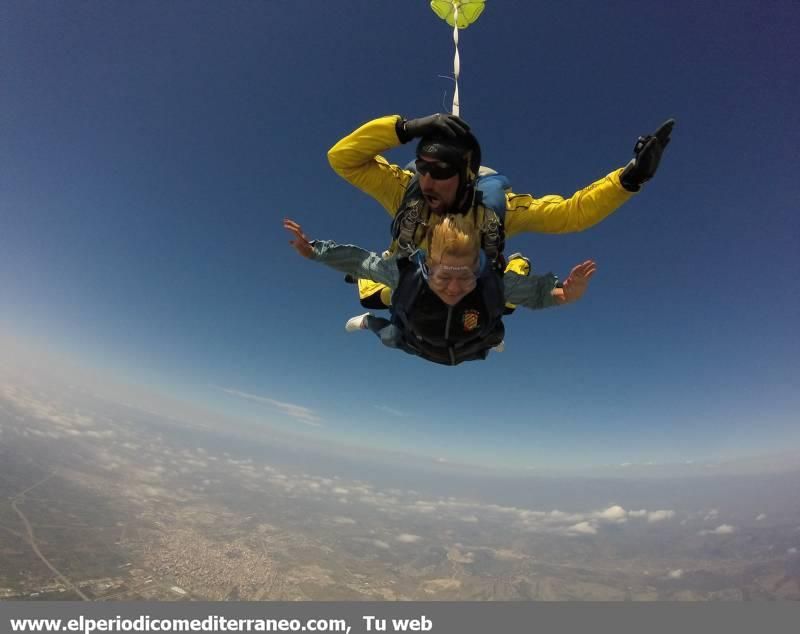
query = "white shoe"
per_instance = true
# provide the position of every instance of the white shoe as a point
(500, 347)
(359, 322)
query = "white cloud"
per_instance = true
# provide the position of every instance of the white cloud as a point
(613, 514)
(505, 554)
(658, 516)
(192, 462)
(792, 551)
(39, 409)
(760, 517)
(712, 514)
(555, 521)
(298, 412)
(425, 507)
(407, 538)
(343, 520)
(582, 528)
(380, 544)
(151, 491)
(375, 500)
(675, 574)
(722, 529)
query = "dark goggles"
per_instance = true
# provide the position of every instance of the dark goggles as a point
(437, 170)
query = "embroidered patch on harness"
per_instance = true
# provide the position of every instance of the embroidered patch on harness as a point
(471, 320)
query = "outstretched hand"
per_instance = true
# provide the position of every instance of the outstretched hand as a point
(301, 243)
(647, 156)
(578, 281)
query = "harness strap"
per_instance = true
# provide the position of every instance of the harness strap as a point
(408, 219)
(413, 213)
(491, 238)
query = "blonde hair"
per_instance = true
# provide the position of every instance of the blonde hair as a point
(454, 235)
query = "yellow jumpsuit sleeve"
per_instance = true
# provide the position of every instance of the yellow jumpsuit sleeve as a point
(357, 159)
(520, 266)
(554, 214)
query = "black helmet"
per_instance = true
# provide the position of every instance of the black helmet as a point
(463, 152)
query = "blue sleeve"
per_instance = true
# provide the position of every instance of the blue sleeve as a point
(493, 189)
(531, 291)
(348, 258)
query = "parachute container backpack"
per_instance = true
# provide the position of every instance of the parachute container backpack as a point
(459, 14)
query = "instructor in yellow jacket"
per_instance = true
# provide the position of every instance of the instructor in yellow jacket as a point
(357, 158)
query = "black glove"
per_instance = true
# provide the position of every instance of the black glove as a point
(647, 155)
(435, 125)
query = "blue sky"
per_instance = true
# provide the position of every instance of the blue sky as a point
(151, 149)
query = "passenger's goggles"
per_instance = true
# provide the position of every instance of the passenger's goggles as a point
(442, 276)
(437, 170)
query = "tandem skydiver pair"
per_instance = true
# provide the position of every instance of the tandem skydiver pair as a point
(444, 277)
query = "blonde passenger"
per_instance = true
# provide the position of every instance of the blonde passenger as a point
(447, 306)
